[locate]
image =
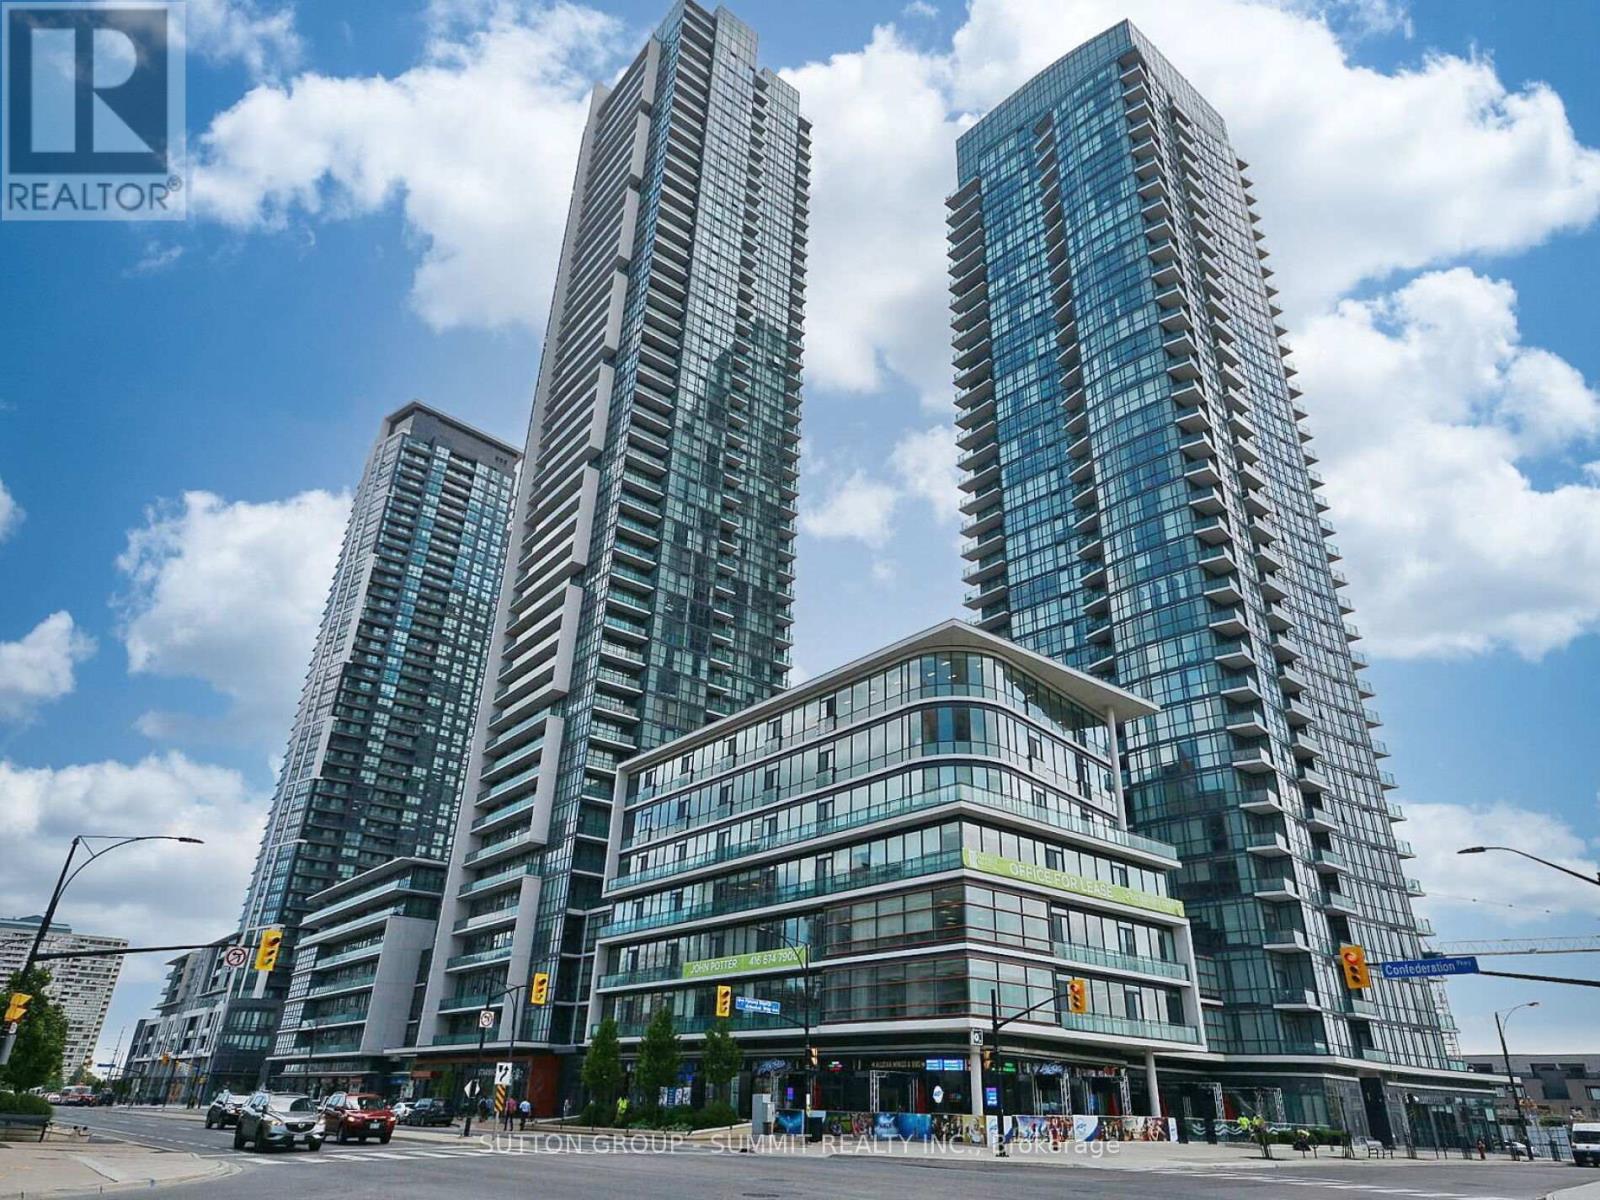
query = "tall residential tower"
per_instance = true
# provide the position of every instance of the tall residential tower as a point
(1140, 504)
(649, 584)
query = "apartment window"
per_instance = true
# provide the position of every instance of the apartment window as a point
(830, 708)
(650, 778)
(685, 764)
(774, 729)
(730, 747)
(1035, 747)
(725, 795)
(769, 781)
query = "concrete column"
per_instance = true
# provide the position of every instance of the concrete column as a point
(1150, 1082)
(975, 1070)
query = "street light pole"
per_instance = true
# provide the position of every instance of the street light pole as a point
(1511, 1075)
(68, 874)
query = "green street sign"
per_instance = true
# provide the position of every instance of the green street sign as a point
(742, 964)
(1065, 881)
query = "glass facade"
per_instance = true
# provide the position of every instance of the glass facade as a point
(377, 755)
(914, 833)
(1141, 504)
(651, 586)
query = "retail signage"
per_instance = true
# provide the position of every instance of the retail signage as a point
(1421, 968)
(945, 1064)
(741, 964)
(1065, 881)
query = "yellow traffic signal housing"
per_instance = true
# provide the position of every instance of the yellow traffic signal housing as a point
(813, 1058)
(539, 993)
(17, 1006)
(1354, 961)
(724, 1000)
(1078, 995)
(267, 949)
(988, 1059)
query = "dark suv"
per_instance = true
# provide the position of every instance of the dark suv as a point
(279, 1119)
(224, 1110)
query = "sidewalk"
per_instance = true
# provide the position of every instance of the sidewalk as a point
(76, 1167)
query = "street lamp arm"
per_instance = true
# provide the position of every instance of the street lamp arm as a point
(1554, 866)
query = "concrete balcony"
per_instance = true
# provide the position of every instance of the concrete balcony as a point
(1280, 889)
(1268, 845)
(1253, 762)
(1300, 999)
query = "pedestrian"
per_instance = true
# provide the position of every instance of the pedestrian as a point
(526, 1110)
(1482, 1149)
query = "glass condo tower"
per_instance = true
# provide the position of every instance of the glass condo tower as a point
(1140, 503)
(648, 588)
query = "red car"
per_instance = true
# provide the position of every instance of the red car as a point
(359, 1115)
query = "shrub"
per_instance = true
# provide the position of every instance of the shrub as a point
(598, 1112)
(25, 1105)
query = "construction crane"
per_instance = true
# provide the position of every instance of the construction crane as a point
(1583, 944)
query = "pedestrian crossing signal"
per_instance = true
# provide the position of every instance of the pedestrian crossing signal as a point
(539, 993)
(1078, 995)
(724, 1001)
(17, 1006)
(267, 949)
(1354, 961)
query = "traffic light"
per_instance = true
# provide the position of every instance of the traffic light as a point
(988, 1059)
(539, 993)
(1078, 995)
(17, 1006)
(267, 949)
(813, 1053)
(1354, 961)
(724, 1000)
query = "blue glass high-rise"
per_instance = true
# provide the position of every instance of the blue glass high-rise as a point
(1140, 504)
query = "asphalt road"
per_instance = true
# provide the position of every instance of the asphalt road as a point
(421, 1165)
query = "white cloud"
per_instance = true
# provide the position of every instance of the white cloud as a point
(231, 594)
(39, 667)
(862, 507)
(129, 893)
(11, 513)
(1496, 886)
(476, 144)
(154, 259)
(1428, 411)
(262, 39)
(921, 10)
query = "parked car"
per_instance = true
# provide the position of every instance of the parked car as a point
(358, 1115)
(107, 1098)
(224, 1110)
(400, 1108)
(429, 1111)
(270, 1119)
(53, 1098)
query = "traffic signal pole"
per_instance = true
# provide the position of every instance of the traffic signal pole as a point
(996, 1024)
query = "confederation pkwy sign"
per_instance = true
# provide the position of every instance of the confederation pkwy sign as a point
(741, 964)
(1064, 881)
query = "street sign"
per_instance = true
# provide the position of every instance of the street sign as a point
(486, 1019)
(749, 1004)
(502, 1074)
(975, 1037)
(1422, 968)
(473, 1088)
(235, 956)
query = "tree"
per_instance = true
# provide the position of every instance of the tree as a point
(721, 1057)
(602, 1065)
(659, 1056)
(42, 1039)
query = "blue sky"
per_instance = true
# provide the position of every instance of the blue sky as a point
(377, 193)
